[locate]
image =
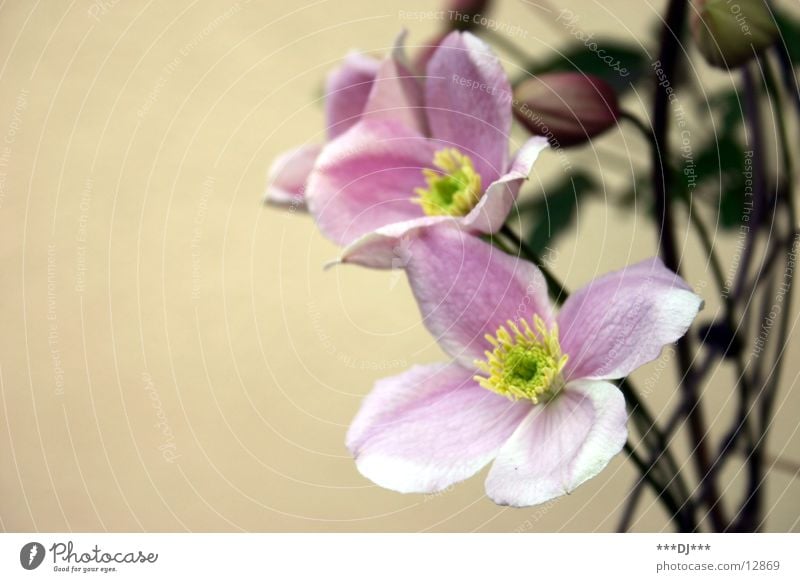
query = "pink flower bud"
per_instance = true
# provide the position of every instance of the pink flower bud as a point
(566, 108)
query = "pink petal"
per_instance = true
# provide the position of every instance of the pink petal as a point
(491, 212)
(467, 288)
(560, 445)
(389, 246)
(286, 180)
(469, 102)
(430, 427)
(347, 90)
(622, 320)
(385, 248)
(365, 179)
(397, 92)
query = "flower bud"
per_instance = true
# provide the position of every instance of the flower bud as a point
(566, 108)
(462, 13)
(729, 32)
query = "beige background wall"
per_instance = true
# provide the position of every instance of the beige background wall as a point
(172, 355)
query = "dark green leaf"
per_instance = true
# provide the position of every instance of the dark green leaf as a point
(790, 33)
(553, 212)
(727, 108)
(720, 169)
(621, 65)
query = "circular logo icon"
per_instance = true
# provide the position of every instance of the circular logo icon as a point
(31, 555)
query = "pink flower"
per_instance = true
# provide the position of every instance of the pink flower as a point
(527, 388)
(346, 93)
(424, 153)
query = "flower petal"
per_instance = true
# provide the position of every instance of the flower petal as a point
(468, 100)
(397, 92)
(286, 179)
(388, 247)
(622, 320)
(560, 445)
(385, 248)
(347, 90)
(430, 427)
(467, 288)
(366, 178)
(491, 212)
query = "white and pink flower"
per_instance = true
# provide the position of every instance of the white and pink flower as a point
(528, 389)
(420, 150)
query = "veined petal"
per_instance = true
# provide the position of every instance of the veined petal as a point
(468, 101)
(622, 320)
(347, 90)
(429, 428)
(365, 179)
(560, 445)
(467, 288)
(286, 179)
(492, 210)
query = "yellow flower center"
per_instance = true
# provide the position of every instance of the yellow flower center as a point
(453, 191)
(525, 363)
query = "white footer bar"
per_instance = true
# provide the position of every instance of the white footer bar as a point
(401, 557)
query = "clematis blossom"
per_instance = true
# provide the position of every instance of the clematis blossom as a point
(425, 151)
(347, 90)
(527, 389)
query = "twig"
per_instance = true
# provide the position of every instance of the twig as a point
(660, 491)
(668, 57)
(557, 290)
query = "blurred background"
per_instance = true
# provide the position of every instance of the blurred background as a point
(173, 356)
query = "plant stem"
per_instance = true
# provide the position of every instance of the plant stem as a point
(662, 445)
(713, 259)
(743, 384)
(687, 507)
(557, 290)
(674, 23)
(751, 510)
(668, 58)
(661, 492)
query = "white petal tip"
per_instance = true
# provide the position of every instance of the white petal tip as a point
(330, 264)
(284, 201)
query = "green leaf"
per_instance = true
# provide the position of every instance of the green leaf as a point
(553, 212)
(727, 108)
(790, 33)
(621, 65)
(720, 168)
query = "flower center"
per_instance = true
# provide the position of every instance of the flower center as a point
(525, 363)
(452, 191)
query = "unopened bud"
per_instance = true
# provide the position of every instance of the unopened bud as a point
(462, 13)
(566, 108)
(729, 33)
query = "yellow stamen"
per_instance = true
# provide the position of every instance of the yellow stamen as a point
(525, 363)
(453, 191)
